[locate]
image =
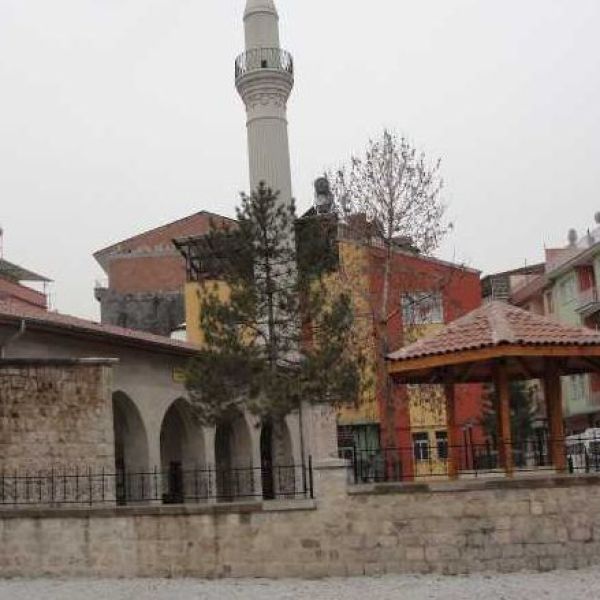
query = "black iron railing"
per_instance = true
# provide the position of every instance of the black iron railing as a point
(176, 485)
(264, 58)
(431, 461)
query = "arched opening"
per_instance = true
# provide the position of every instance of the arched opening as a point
(278, 471)
(131, 451)
(182, 455)
(233, 455)
(266, 461)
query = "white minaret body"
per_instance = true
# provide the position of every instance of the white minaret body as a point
(264, 77)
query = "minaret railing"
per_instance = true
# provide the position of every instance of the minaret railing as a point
(259, 59)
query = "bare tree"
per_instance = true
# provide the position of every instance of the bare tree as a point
(399, 193)
(389, 199)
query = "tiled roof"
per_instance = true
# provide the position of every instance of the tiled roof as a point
(34, 317)
(498, 324)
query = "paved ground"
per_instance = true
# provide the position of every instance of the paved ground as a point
(572, 585)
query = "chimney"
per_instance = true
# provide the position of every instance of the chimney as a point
(572, 237)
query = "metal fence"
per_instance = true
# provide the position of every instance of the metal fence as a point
(424, 460)
(176, 485)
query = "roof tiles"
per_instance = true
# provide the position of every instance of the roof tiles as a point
(38, 317)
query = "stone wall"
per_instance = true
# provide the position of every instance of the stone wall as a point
(155, 312)
(55, 414)
(538, 524)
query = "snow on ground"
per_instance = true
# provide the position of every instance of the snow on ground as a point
(559, 585)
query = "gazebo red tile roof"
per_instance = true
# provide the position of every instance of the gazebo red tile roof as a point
(498, 324)
(501, 343)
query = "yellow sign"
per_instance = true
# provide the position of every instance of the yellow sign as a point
(179, 375)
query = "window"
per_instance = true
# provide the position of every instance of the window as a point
(579, 388)
(568, 290)
(345, 436)
(441, 440)
(421, 446)
(359, 437)
(422, 308)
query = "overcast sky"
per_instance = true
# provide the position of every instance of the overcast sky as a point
(121, 115)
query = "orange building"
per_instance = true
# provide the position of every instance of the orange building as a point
(424, 294)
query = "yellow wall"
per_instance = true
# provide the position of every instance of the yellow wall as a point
(354, 279)
(427, 406)
(427, 410)
(194, 293)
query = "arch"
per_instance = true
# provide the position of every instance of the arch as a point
(278, 471)
(233, 457)
(182, 454)
(131, 449)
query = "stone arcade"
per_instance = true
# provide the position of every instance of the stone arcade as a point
(125, 412)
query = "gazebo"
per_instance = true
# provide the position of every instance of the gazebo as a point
(499, 343)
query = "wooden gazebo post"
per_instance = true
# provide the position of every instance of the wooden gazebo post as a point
(554, 409)
(453, 436)
(504, 433)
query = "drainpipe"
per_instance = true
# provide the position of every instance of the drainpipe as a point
(13, 338)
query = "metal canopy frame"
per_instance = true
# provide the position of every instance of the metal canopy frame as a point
(17, 273)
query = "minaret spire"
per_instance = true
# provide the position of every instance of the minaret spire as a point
(262, 24)
(264, 77)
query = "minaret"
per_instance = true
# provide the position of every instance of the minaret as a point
(264, 77)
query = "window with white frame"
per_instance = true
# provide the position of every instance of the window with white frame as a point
(422, 308)
(421, 446)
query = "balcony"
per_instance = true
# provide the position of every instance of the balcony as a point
(258, 59)
(101, 286)
(588, 302)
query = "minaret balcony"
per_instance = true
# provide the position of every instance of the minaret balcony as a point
(264, 59)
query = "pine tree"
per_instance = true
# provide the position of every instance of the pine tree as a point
(279, 335)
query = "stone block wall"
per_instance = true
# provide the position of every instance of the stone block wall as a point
(55, 414)
(538, 524)
(155, 312)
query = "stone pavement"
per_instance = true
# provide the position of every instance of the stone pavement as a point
(559, 585)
